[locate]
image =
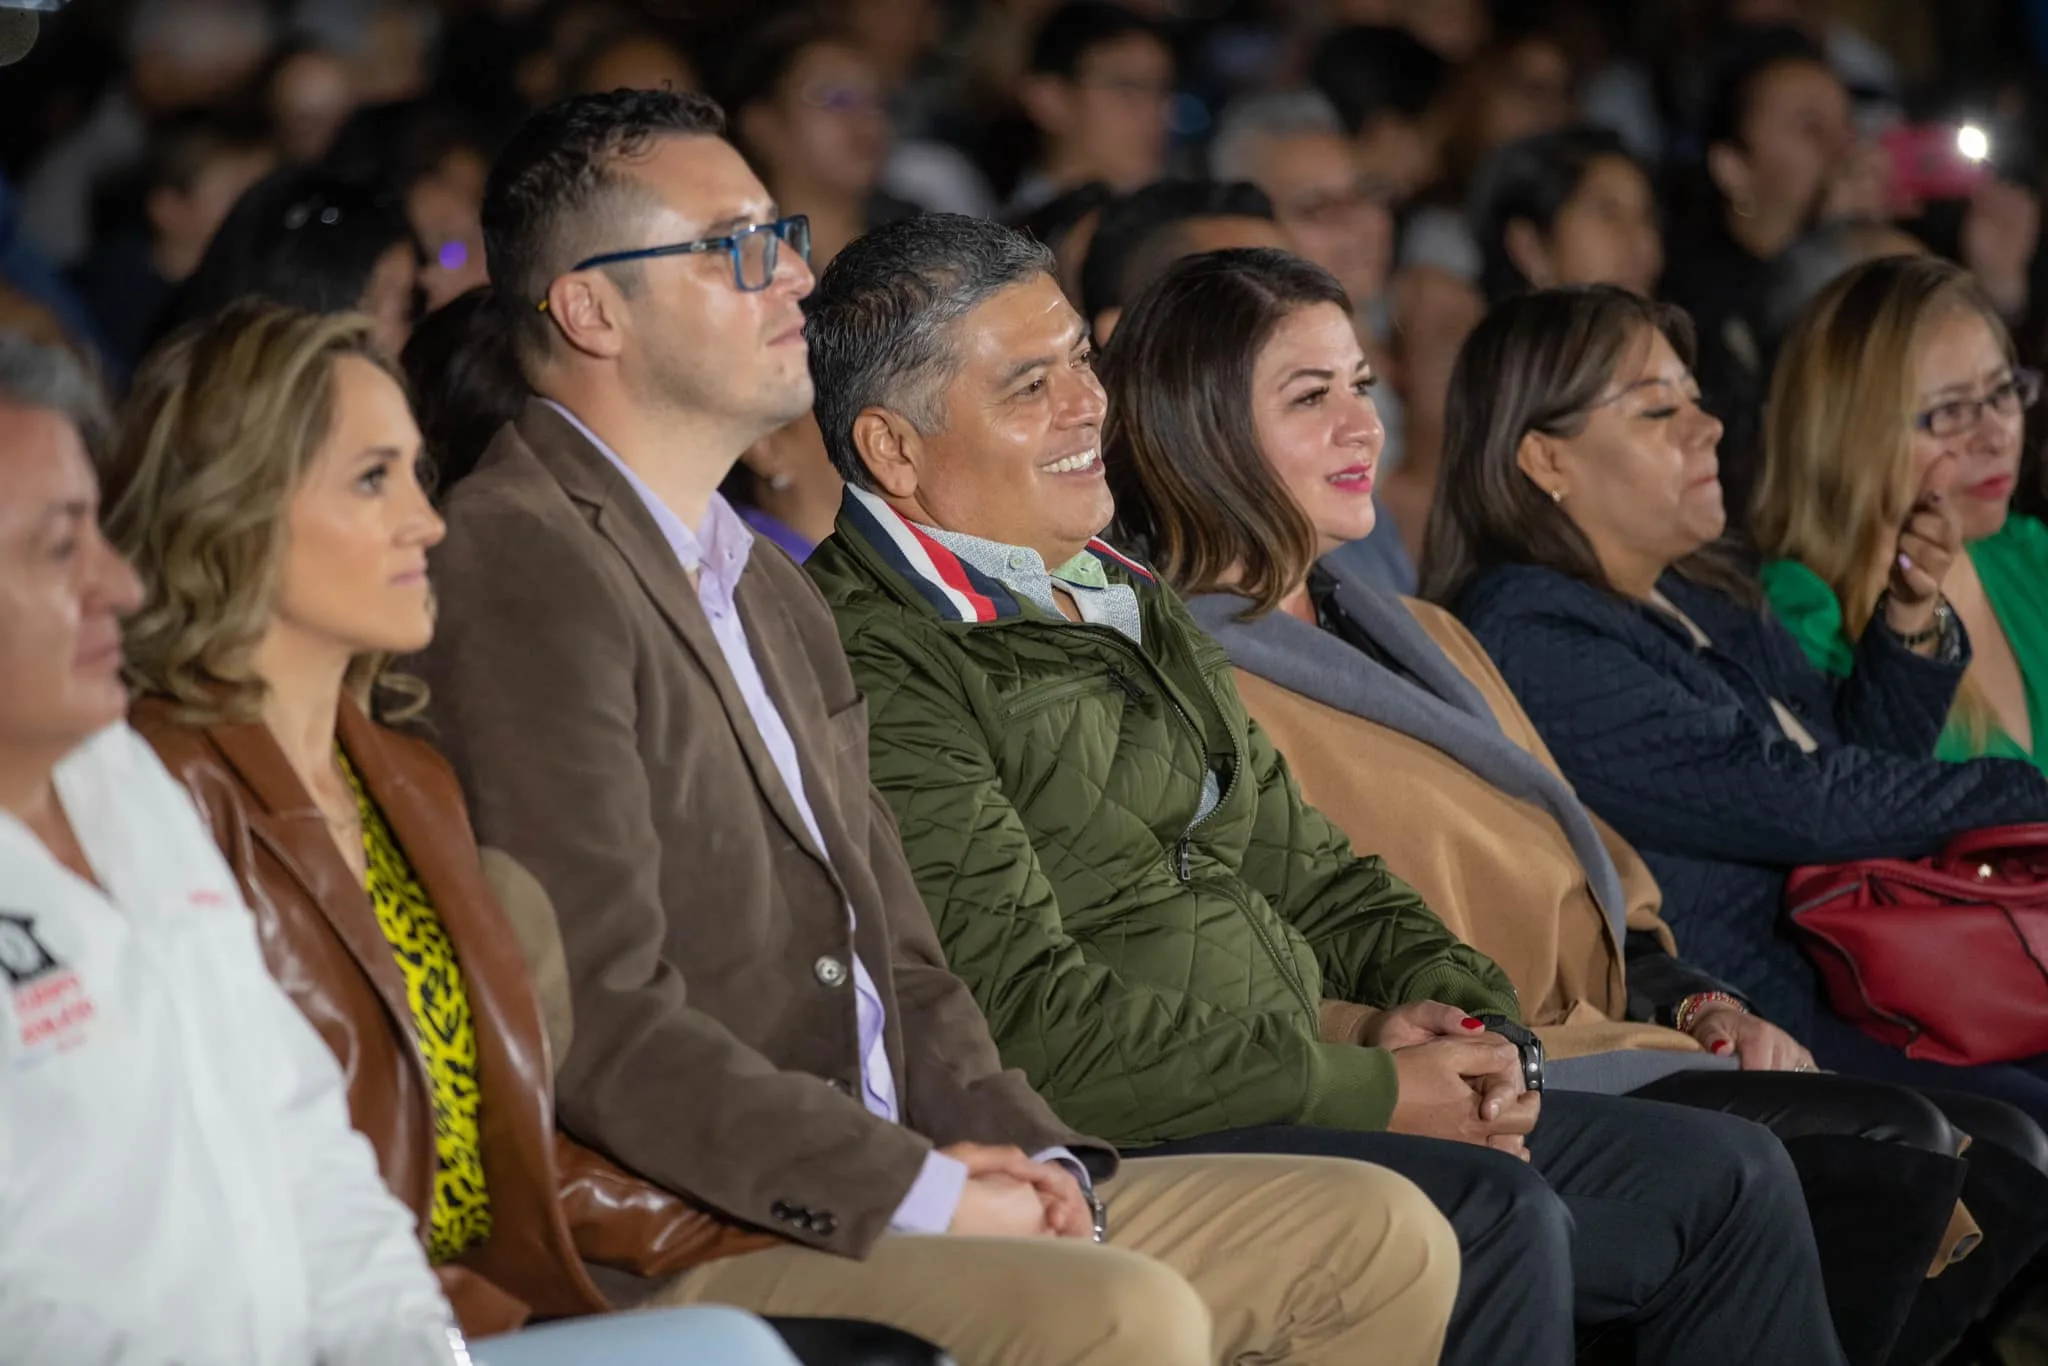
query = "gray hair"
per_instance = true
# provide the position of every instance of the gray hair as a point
(881, 321)
(36, 375)
(1234, 155)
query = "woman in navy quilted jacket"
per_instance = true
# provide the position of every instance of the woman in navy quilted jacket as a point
(1575, 534)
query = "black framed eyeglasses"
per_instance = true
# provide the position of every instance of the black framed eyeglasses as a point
(2009, 399)
(755, 252)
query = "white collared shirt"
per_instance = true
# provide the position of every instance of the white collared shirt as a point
(178, 1179)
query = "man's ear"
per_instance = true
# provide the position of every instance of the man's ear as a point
(1105, 325)
(587, 311)
(1047, 101)
(1541, 457)
(891, 449)
(1525, 249)
(1729, 171)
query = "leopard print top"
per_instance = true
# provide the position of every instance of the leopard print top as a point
(461, 1214)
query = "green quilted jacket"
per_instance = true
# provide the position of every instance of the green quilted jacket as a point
(1155, 976)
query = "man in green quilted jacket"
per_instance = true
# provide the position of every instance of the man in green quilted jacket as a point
(1175, 948)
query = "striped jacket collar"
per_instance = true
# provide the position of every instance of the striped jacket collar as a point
(956, 590)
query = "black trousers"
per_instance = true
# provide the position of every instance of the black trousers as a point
(1684, 1223)
(1841, 1047)
(1877, 1166)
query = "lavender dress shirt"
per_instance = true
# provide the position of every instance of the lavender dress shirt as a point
(718, 552)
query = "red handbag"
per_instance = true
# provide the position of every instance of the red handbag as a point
(1943, 958)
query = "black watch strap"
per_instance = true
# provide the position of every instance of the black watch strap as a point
(1528, 1047)
(1513, 1031)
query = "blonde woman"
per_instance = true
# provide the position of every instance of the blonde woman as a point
(266, 486)
(1898, 393)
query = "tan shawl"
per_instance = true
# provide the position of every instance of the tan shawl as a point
(1498, 870)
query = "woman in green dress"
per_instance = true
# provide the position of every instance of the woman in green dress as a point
(1898, 393)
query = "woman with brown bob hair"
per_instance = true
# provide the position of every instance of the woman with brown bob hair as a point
(1899, 387)
(1241, 444)
(267, 487)
(1581, 502)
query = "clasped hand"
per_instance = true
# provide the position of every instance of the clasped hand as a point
(1458, 1081)
(1009, 1196)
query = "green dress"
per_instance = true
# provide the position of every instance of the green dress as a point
(2013, 565)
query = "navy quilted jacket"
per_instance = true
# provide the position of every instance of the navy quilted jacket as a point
(1678, 748)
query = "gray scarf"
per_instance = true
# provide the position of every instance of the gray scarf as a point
(1446, 712)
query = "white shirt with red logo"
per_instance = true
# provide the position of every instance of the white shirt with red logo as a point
(178, 1179)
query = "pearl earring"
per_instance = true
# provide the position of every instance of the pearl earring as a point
(1557, 495)
(781, 483)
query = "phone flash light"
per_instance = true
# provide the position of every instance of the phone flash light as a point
(1973, 142)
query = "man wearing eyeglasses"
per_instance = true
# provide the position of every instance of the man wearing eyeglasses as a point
(650, 711)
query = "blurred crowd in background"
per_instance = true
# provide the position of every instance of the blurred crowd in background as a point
(158, 157)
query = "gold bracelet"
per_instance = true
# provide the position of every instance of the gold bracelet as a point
(1692, 1007)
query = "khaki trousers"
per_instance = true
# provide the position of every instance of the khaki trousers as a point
(1252, 1259)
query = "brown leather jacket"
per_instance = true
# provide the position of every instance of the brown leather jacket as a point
(554, 1204)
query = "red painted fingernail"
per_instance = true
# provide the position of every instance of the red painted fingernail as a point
(1470, 1023)
(1720, 1045)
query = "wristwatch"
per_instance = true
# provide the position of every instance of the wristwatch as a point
(1100, 1212)
(1527, 1046)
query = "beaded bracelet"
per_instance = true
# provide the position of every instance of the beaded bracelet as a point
(1942, 629)
(1692, 1007)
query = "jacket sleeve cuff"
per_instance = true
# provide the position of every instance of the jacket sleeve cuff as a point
(1880, 646)
(1350, 1087)
(932, 1199)
(1911, 692)
(1469, 991)
(1657, 982)
(1344, 1021)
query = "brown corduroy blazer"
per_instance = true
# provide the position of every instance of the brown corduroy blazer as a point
(604, 745)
